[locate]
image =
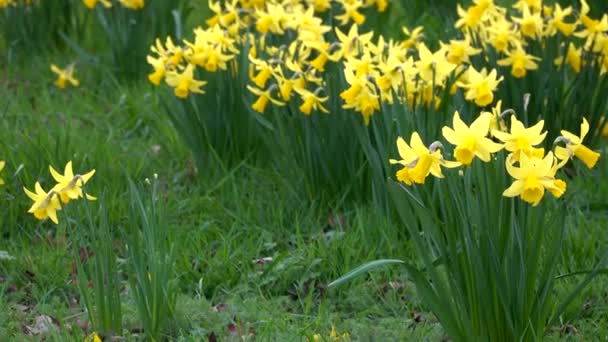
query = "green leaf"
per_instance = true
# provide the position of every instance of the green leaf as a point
(364, 269)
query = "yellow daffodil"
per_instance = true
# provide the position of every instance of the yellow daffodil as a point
(519, 61)
(433, 67)
(45, 204)
(470, 18)
(351, 12)
(64, 76)
(69, 185)
(172, 54)
(501, 34)
(575, 147)
(184, 83)
(414, 37)
(132, 4)
(264, 71)
(498, 122)
(2, 163)
(311, 101)
(361, 96)
(6, 3)
(460, 51)
(270, 19)
(159, 69)
(557, 23)
(92, 3)
(264, 97)
(592, 27)
(418, 161)
(320, 6)
(531, 23)
(480, 87)
(92, 337)
(521, 140)
(532, 177)
(471, 141)
(353, 43)
(573, 58)
(533, 5)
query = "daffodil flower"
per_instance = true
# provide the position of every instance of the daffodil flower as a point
(532, 178)
(521, 140)
(184, 83)
(264, 97)
(519, 61)
(132, 4)
(480, 86)
(69, 186)
(418, 161)
(64, 76)
(2, 163)
(471, 141)
(311, 101)
(575, 147)
(45, 204)
(92, 3)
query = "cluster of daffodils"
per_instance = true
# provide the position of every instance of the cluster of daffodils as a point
(212, 49)
(131, 4)
(533, 170)
(65, 76)
(69, 187)
(583, 39)
(289, 48)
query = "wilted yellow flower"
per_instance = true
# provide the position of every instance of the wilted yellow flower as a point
(64, 76)
(532, 177)
(521, 140)
(418, 161)
(45, 204)
(471, 141)
(69, 186)
(575, 147)
(184, 83)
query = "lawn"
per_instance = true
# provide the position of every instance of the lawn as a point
(235, 248)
